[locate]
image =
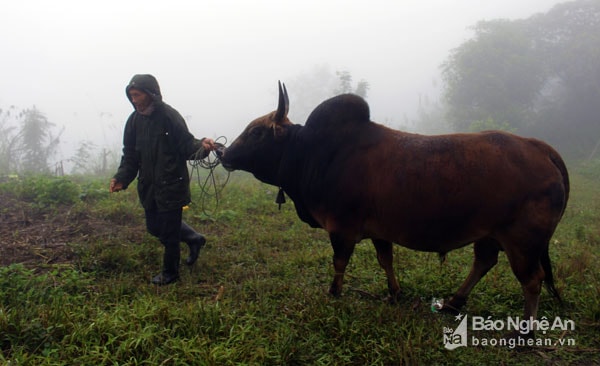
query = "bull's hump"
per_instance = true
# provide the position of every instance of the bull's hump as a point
(341, 109)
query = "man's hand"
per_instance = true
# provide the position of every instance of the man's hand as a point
(115, 186)
(208, 144)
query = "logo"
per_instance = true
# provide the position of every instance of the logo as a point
(461, 337)
(454, 338)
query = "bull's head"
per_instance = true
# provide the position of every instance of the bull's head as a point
(259, 148)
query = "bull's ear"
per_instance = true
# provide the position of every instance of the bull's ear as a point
(284, 104)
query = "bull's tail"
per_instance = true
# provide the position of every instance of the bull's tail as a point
(545, 260)
(549, 279)
(560, 165)
(558, 162)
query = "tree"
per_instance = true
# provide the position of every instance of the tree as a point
(541, 75)
(569, 44)
(345, 82)
(8, 140)
(90, 159)
(345, 85)
(430, 117)
(37, 144)
(309, 89)
(82, 158)
(495, 75)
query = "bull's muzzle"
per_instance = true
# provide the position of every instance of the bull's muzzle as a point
(220, 151)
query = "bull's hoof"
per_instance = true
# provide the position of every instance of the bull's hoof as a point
(335, 291)
(449, 309)
(453, 305)
(393, 299)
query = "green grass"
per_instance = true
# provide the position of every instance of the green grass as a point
(258, 294)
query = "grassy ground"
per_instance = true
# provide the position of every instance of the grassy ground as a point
(258, 294)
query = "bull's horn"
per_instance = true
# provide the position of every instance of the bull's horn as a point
(284, 104)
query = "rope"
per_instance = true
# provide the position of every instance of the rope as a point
(209, 187)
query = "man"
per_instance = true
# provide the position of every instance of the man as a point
(156, 147)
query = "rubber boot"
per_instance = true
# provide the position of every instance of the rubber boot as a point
(194, 240)
(170, 271)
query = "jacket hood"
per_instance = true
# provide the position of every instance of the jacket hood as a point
(146, 83)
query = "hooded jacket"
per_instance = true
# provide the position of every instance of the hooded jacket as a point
(156, 148)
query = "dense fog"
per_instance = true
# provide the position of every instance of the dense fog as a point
(66, 64)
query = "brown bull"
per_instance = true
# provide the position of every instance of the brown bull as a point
(358, 179)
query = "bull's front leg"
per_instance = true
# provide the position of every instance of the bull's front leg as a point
(342, 251)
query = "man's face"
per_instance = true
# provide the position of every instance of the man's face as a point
(140, 100)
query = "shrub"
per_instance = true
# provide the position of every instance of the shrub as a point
(48, 191)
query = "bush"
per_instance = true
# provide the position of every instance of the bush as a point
(48, 191)
(490, 124)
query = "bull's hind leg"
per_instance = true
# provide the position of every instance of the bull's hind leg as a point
(527, 267)
(385, 256)
(526, 244)
(342, 251)
(486, 256)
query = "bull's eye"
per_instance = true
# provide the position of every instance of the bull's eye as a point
(255, 132)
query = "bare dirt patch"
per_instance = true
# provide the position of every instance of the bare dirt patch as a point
(37, 237)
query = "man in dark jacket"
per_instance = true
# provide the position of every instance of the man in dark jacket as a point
(156, 147)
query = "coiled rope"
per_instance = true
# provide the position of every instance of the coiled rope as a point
(210, 187)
